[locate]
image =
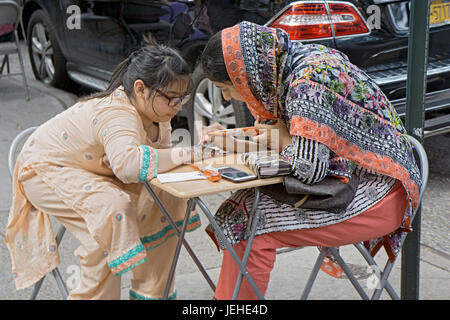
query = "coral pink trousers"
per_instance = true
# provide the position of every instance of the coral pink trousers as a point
(379, 220)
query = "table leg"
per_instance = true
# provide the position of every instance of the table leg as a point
(228, 246)
(252, 225)
(178, 233)
(178, 248)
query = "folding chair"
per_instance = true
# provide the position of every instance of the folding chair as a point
(14, 150)
(383, 282)
(11, 13)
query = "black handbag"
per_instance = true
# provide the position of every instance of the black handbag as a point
(331, 194)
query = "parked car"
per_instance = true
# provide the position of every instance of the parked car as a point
(373, 33)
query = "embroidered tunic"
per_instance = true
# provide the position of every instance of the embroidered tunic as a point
(95, 148)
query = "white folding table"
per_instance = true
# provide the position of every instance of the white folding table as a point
(192, 191)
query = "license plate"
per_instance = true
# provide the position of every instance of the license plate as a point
(439, 13)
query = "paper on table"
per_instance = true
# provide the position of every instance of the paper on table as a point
(180, 176)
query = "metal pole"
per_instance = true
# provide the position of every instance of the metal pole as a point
(415, 93)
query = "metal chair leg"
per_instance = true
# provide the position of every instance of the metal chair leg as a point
(55, 272)
(349, 273)
(313, 275)
(385, 283)
(36, 288)
(60, 234)
(59, 280)
(5, 58)
(60, 283)
(24, 78)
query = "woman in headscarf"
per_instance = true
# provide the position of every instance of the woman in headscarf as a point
(332, 120)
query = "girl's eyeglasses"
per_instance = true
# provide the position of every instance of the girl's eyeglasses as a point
(174, 101)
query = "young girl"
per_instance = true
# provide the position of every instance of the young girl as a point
(86, 166)
(331, 120)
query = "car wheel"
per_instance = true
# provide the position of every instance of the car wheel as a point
(47, 61)
(207, 106)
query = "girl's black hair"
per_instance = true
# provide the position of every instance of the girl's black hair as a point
(212, 60)
(156, 65)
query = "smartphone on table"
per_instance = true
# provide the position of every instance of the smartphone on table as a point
(235, 175)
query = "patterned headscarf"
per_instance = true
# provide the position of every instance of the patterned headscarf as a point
(255, 57)
(321, 96)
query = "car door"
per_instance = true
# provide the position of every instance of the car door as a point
(96, 39)
(150, 17)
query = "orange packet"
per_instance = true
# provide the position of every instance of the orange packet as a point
(209, 174)
(245, 131)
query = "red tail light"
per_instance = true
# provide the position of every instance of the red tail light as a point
(346, 20)
(305, 21)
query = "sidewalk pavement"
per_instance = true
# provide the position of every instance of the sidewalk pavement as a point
(291, 269)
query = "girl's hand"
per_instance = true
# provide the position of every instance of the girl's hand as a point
(274, 136)
(203, 134)
(198, 153)
(223, 142)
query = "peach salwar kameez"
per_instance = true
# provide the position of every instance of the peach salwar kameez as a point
(86, 166)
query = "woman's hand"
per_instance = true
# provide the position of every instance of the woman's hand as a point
(224, 142)
(275, 136)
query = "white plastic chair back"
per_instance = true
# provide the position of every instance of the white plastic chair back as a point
(423, 166)
(14, 150)
(16, 146)
(10, 12)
